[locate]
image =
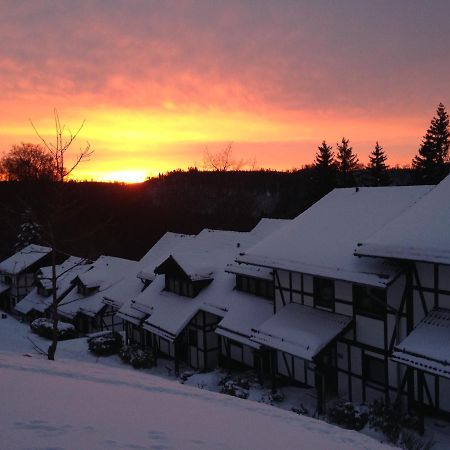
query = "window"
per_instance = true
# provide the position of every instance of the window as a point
(192, 337)
(374, 369)
(180, 287)
(323, 292)
(255, 286)
(8, 280)
(369, 301)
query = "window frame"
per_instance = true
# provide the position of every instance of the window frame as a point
(368, 372)
(362, 304)
(318, 289)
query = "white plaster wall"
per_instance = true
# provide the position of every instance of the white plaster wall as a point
(342, 308)
(426, 274)
(343, 290)
(370, 331)
(283, 276)
(296, 281)
(308, 283)
(395, 292)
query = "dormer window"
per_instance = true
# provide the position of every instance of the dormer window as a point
(180, 287)
(255, 286)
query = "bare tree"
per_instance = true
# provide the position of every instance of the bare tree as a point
(64, 139)
(223, 160)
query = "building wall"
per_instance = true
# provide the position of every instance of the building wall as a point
(431, 289)
(369, 339)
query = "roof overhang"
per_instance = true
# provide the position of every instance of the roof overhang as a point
(301, 331)
(427, 347)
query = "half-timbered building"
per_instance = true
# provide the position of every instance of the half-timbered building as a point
(333, 313)
(17, 274)
(190, 293)
(419, 240)
(84, 306)
(37, 303)
(138, 280)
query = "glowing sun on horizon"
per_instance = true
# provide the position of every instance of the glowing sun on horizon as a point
(125, 176)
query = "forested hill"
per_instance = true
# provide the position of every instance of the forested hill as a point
(89, 219)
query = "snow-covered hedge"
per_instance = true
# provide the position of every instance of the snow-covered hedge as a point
(105, 344)
(138, 358)
(44, 327)
(346, 415)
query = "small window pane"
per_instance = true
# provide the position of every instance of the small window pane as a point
(369, 301)
(324, 292)
(374, 369)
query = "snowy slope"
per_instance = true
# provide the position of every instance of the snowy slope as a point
(68, 405)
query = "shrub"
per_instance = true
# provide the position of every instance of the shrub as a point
(105, 344)
(347, 416)
(301, 410)
(137, 357)
(390, 419)
(44, 327)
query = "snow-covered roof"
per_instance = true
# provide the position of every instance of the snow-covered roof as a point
(105, 273)
(420, 233)
(65, 273)
(244, 314)
(300, 330)
(159, 252)
(132, 285)
(23, 259)
(321, 240)
(427, 347)
(167, 313)
(248, 270)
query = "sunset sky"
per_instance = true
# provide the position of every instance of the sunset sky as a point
(159, 81)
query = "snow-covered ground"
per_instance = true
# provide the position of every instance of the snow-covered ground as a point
(84, 402)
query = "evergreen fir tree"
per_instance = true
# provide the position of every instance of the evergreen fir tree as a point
(29, 232)
(377, 167)
(324, 157)
(324, 169)
(430, 164)
(347, 163)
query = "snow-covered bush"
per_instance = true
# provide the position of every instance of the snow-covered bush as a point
(347, 416)
(105, 344)
(44, 327)
(409, 440)
(390, 419)
(301, 410)
(276, 397)
(137, 357)
(238, 385)
(232, 388)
